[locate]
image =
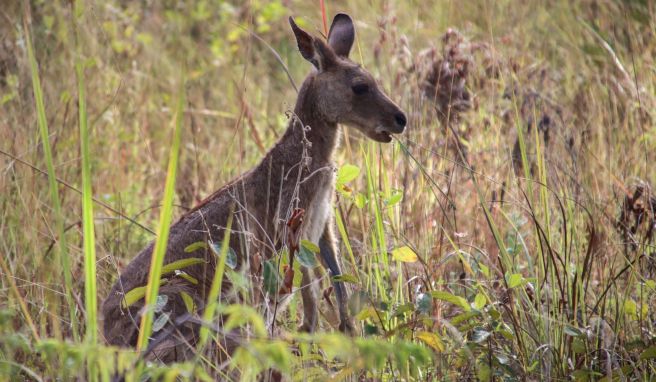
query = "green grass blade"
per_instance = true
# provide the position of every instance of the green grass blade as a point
(159, 251)
(215, 288)
(377, 237)
(345, 240)
(62, 248)
(21, 301)
(90, 294)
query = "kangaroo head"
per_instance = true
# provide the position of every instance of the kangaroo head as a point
(345, 92)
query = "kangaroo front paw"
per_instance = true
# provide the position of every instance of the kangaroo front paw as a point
(307, 328)
(346, 327)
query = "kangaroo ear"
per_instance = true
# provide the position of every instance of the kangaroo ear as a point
(312, 49)
(342, 34)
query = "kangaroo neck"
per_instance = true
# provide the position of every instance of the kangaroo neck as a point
(308, 125)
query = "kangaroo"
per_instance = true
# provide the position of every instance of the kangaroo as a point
(298, 172)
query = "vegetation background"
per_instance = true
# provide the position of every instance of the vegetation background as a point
(507, 235)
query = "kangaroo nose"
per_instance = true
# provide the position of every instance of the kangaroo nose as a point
(400, 119)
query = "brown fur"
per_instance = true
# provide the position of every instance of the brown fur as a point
(298, 172)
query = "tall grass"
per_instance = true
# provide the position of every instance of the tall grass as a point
(524, 273)
(217, 281)
(62, 252)
(90, 279)
(155, 273)
(21, 301)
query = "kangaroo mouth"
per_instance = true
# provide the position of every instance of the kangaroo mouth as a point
(380, 134)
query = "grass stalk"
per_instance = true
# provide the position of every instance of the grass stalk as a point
(19, 297)
(217, 281)
(378, 243)
(90, 293)
(166, 214)
(345, 240)
(62, 248)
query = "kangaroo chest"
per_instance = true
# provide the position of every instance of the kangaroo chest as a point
(319, 209)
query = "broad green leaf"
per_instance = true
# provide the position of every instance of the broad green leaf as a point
(181, 264)
(453, 299)
(480, 301)
(231, 259)
(306, 257)
(572, 331)
(161, 302)
(136, 294)
(396, 197)
(231, 255)
(506, 333)
(195, 246)
(310, 246)
(347, 173)
(360, 200)
(515, 280)
(432, 340)
(161, 320)
(186, 276)
(404, 254)
(188, 301)
(271, 277)
(345, 190)
(133, 296)
(216, 248)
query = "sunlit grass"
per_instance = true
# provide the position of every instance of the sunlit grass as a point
(166, 215)
(90, 278)
(511, 268)
(215, 288)
(62, 249)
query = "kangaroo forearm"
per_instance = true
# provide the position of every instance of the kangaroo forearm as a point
(328, 255)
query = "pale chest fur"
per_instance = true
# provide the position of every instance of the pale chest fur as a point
(319, 210)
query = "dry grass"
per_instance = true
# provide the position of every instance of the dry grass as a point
(526, 178)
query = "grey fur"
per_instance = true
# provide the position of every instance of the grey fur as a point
(295, 173)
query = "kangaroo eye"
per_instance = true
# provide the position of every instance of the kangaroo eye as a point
(360, 89)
